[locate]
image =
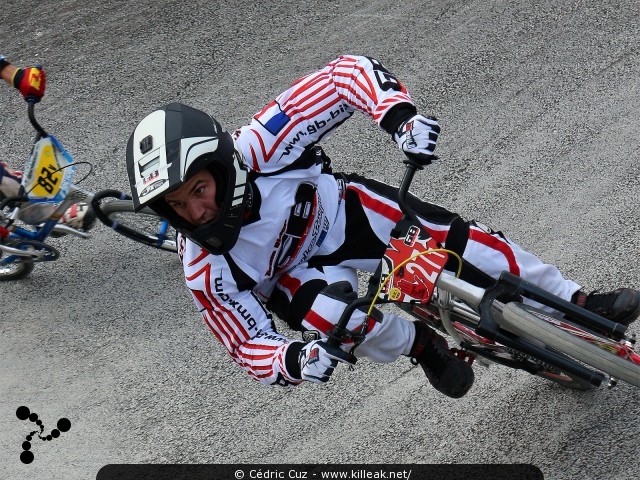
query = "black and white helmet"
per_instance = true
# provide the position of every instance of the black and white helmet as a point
(167, 148)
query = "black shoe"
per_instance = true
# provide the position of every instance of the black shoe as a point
(445, 371)
(621, 305)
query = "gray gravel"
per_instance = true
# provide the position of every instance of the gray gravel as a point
(539, 107)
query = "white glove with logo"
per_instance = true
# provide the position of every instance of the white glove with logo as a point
(417, 137)
(318, 360)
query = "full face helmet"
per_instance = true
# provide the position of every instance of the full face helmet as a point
(166, 149)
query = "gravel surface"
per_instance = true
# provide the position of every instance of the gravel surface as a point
(538, 103)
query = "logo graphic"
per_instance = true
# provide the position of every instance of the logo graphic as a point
(154, 186)
(310, 335)
(23, 413)
(411, 236)
(314, 356)
(35, 79)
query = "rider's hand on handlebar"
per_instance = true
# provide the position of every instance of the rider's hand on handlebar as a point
(31, 83)
(417, 137)
(318, 360)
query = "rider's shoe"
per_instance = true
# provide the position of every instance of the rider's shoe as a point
(79, 216)
(445, 371)
(621, 305)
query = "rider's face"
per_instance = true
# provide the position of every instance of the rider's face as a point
(195, 200)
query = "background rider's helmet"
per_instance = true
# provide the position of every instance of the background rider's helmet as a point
(167, 148)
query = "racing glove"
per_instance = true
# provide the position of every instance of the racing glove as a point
(318, 360)
(31, 83)
(417, 137)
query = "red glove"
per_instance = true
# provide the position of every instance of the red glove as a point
(31, 82)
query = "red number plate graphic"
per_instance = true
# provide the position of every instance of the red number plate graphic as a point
(413, 281)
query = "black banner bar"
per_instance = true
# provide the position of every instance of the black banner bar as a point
(320, 472)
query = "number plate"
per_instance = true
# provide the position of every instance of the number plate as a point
(413, 281)
(49, 172)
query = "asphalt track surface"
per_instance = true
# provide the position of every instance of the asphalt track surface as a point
(538, 103)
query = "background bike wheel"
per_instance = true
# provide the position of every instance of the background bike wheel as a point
(16, 270)
(530, 323)
(143, 226)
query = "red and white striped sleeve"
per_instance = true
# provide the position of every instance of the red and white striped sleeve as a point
(365, 84)
(316, 104)
(242, 324)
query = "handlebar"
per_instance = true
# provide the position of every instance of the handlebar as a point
(101, 195)
(413, 165)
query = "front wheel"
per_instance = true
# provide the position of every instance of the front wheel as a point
(599, 352)
(115, 210)
(17, 269)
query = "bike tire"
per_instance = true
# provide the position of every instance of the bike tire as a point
(142, 226)
(520, 320)
(16, 270)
